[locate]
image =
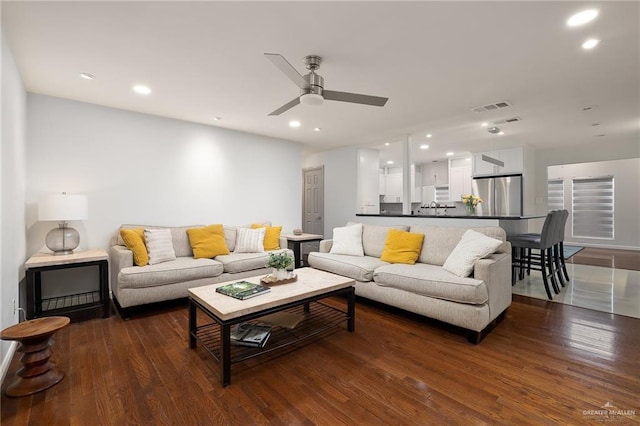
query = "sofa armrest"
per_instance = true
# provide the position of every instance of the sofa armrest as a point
(325, 246)
(495, 271)
(284, 243)
(119, 257)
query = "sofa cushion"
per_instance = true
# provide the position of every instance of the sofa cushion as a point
(432, 281)
(271, 236)
(439, 241)
(374, 237)
(178, 236)
(347, 240)
(250, 240)
(472, 246)
(359, 268)
(134, 241)
(402, 247)
(159, 245)
(175, 271)
(207, 242)
(240, 262)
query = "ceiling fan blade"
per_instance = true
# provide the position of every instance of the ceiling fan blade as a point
(332, 95)
(286, 106)
(284, 66)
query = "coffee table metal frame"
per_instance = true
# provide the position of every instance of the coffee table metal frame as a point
(332, 317)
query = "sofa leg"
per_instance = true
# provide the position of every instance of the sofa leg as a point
(474, 337)
(125, 313)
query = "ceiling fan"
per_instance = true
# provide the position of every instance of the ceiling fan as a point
(312, 91)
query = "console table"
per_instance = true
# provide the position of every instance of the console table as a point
(295, 241)
(78, 306)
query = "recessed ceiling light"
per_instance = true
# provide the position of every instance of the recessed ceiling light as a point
(390, 162)
(386, 144)
(449, 154)
(467, 159)
(294, 123)
(590, 44)
(501, 133)
(316, 129)
(588, 107)
(424, 146)
(217, 118)
(582, 18)
(141, 89)
(601, 135)
(87, 76)
(484, 124)
(429, 135)
(595, 124)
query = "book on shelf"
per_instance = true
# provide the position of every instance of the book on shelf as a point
(247, 334)
(283, 319)
(243, 290)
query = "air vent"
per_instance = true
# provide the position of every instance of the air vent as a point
(507, 120)
(491, 107)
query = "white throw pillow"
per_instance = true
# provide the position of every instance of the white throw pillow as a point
(159, 245)
(250, 240)
(472, 246)
(348, 240)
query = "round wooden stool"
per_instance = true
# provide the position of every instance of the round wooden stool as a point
(35, 337)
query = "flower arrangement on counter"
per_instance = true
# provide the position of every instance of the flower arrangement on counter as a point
(471, 201)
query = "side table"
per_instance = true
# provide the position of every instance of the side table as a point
(295, 241)
(78, 306)
(35, 337)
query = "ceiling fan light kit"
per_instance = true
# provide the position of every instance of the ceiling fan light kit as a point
(311, 85)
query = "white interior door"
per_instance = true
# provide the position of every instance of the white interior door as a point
(312, 206)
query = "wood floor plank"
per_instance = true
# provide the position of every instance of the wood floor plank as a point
(545, 363)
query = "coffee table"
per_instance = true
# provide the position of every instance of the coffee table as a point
(303, 296)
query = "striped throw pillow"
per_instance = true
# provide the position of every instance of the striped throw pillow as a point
(250, 240)
(159, 245)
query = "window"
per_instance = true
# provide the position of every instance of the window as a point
(593, 207)
(555, 194)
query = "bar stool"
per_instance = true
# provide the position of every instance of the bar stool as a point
(559, 253)
(522, 258)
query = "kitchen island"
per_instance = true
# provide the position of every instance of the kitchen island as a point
(511, 224)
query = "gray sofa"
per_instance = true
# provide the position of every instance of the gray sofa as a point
(139, 285)
(426, 288)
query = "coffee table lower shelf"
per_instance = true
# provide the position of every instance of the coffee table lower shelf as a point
(319, 319)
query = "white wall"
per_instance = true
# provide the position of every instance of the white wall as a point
(626, 178)
(12, 182)
(143, 169)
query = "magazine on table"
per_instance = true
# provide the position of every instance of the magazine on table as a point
(243, 290)
(247, 334)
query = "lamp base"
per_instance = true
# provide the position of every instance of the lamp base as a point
(62, 240)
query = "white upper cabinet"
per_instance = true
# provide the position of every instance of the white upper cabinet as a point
(513, 159)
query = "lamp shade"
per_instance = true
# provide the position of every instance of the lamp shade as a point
(63, 207)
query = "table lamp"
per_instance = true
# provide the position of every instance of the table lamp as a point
(61, 208)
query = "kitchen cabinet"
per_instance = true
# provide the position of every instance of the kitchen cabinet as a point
(459, 182)
(513, 159)
(393, 192)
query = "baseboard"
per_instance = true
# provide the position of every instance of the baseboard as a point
(602, 246)
(7, 360)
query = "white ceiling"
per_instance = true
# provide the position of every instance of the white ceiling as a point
(433, 60)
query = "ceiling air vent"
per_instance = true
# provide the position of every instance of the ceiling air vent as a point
(507, 120)
(491, 107)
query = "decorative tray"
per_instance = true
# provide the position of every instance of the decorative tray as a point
(271, 280)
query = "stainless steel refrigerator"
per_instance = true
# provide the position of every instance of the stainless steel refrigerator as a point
(501, 195)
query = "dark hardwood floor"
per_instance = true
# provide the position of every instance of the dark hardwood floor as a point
(620, 259)
(546, 363)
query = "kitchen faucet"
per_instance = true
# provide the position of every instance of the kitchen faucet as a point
(435, 205)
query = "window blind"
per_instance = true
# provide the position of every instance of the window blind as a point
(555, 194)
(593, 207)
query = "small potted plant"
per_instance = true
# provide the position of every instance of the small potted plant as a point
(280, 262)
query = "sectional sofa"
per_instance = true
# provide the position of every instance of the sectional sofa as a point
(133, 285)
(473, 302)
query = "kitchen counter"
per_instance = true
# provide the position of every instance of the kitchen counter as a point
(511, 224)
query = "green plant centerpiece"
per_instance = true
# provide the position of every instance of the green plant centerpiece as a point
(280, 262)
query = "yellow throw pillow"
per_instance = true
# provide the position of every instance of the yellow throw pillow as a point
(207, 242)
(134, 240)
(402, 247)
(271, 236)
